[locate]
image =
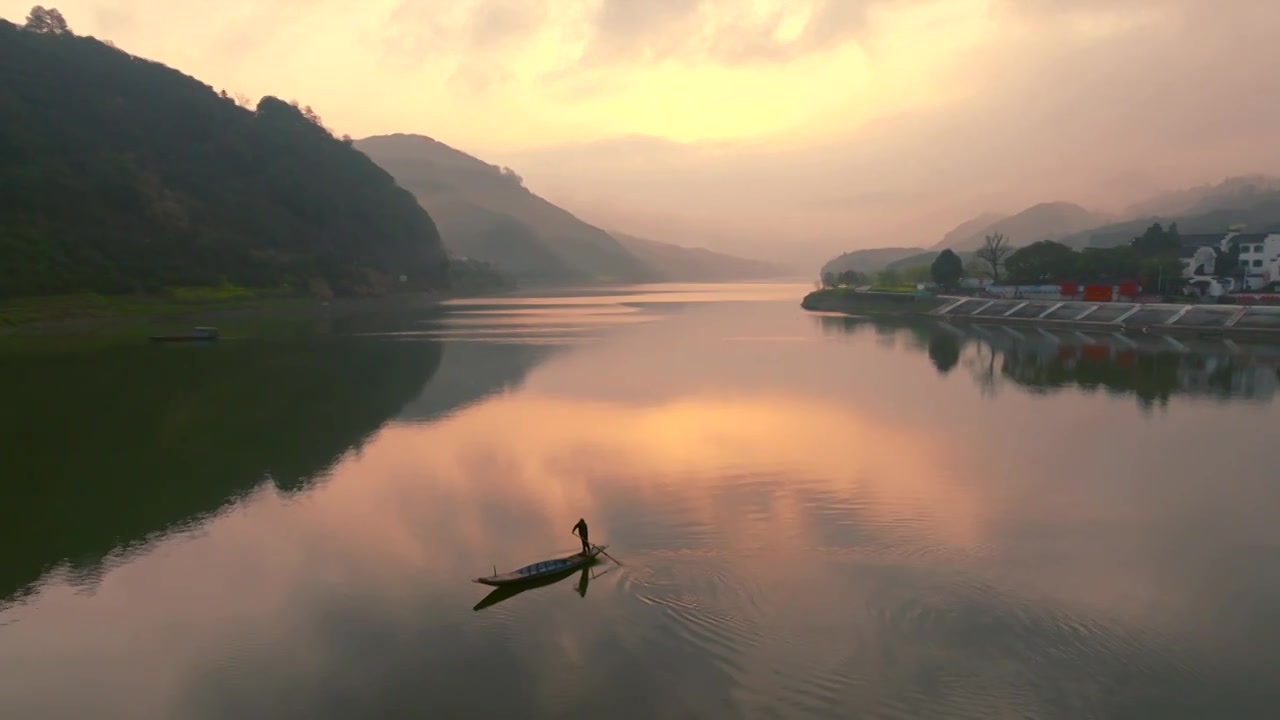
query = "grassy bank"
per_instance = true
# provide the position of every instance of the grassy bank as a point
(180, 309)
(846, 300)
(54, 309)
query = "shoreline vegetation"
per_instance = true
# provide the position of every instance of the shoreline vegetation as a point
(849, 301)
(172, 307)
(180, 309)
(89, 313)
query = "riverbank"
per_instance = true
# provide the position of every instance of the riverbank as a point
(249, 313)
(853, 302)
(1259, 322)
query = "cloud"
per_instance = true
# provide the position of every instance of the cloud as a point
(612, 33)
(1095, 103)
(731, 31)
(421, 29)
(855, 120)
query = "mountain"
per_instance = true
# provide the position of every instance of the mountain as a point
(124, 175)
(485, 212)
(1046, 221)
(1259, 212)
(926, 258)
(1232, 193)
(868, 261)
(968, 229)
(675, 263)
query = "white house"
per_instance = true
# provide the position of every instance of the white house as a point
(1260, 258)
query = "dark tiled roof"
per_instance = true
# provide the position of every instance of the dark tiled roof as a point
(1249, 237)
(1200, 240)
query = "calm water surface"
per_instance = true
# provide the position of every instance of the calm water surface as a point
(816, 516)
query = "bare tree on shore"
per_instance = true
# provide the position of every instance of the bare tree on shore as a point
(995, 248)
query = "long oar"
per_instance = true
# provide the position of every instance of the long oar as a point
(602, 551)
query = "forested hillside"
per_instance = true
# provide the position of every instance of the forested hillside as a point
(123, 175)
(485, 212)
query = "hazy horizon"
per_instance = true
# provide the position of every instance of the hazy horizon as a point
(772, 129)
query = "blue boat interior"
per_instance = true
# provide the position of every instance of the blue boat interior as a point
(545, 566)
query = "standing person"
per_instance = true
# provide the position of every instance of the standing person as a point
(581, 531)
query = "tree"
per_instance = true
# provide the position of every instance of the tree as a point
(1228, 264)
(46, 22)
(850, 278)
(512, 175)
(1041, 262)
(944, 351)
(947, 269)
(1117, 263)
(1157, 242)
(846, 278)
(992, 254)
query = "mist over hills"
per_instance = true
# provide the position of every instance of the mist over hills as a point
(1251, 202)
(485, 212)
(964, 233)
(677, 263)
(124, 175)
(1234, 192)
(869, 261)
(1044, 221)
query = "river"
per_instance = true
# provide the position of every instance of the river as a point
(811, 515)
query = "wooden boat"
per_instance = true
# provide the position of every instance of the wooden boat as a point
(200, 333)
(503, 593)
(543, 570)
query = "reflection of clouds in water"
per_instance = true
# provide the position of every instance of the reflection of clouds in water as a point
(525, 496)
(821, 528)
(782, 554)
(879, 629)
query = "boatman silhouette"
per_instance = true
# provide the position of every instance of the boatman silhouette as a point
(581, 531)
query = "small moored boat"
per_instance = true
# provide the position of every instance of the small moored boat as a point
(543, 570)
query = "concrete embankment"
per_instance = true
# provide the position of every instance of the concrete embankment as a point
(1258, 321)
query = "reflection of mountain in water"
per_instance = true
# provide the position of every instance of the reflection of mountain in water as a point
(472, 371)
(103, 449)
(1151, 368)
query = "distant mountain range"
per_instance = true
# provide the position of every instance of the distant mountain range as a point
(966, 231)
(869, 261)
(1046, 221)
(677, 263)
(1233, 192)
(486, 213)
(1259, 212)
(1251, 201)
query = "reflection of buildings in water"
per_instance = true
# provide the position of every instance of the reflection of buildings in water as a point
(1217, 375)
(1149, 367)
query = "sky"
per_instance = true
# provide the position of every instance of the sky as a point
(769, 127)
